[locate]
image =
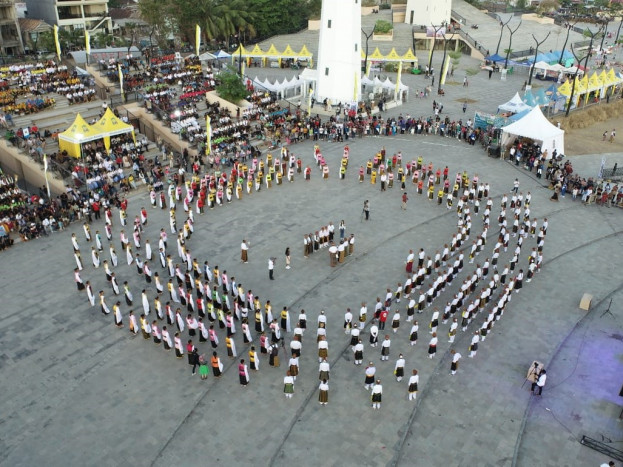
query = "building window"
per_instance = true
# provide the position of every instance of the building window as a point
(329, 24)
(355, 47)
(326, 71)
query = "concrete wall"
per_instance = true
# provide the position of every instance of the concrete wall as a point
(26, 169)
(428, 12)
(339, 51)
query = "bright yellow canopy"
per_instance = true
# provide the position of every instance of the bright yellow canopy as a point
(78, 132)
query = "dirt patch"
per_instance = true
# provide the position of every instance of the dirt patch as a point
(584, 129)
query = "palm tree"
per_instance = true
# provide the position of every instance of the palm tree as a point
(219, 19)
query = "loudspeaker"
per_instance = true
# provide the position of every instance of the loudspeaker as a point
(585, 303)
(494, 150)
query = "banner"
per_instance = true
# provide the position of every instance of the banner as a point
(121, 79)
(397, 88)
(444, 72)
(368, 67)
(56, 42)
(356, 88)
(197, 39)
(309, 99)
(208, 135)
(87, 41)
(45, 171)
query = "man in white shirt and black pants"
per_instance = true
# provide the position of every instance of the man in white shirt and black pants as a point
(271, 267)
(539, 383)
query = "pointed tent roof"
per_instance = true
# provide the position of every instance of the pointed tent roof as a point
(594, 82)
(515, 105)
(222, 54)
(541, 98)
(238, 50)
(272, 51)
(409, 56)
(529, 99)
(305, 52)
(565, 89)
(288, 52)
(612, 77)
(392, 55)
(111, 125)
(79, 132)
(256, 51)
(535, 126)
(376, 55)
(603, 77)
(496, 58)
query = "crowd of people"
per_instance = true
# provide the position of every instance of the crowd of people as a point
(186, 303)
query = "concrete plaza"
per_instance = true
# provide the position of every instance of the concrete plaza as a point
(78, 391)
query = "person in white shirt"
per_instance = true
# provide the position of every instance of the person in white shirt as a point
(414, 379)
(539, 383)
(474, 344)
(399, 369)
(455, 361)
(377, 394)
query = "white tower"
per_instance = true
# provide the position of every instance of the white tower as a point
(339, 51)
(428, 12)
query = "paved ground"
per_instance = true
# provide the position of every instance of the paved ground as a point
(78, 391)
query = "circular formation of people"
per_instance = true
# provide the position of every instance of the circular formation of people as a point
(186, 303)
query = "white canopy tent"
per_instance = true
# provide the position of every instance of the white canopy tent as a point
(515, 105)
(536, 127)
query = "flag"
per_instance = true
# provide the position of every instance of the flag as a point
(87, 41)
(397, 90)
(56, 42)
(356, 88)
(368, 67)
(242, 67)
(309, 99)
(444, 72)
(197, 39)
(120, 78)
(45, 171)
(208, 135)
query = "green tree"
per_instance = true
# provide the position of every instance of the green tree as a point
(158, 14)
(219, 19)
(455, 58)
(232, 88)
(280, 16)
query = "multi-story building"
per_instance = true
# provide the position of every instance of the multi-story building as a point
(10, 36)
(72, 14)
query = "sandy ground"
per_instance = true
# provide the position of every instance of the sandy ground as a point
(589, 140)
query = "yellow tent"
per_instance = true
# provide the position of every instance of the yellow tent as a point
(109, 125)
(594, 83)
(78, 132)
(272, 51)
(256, 51)
(393, 56)
(612, 77)
(289, 53)
(305, 53)
(565, 89)
(603, 77)
(409, 56)
(236, 53)
(376, 55)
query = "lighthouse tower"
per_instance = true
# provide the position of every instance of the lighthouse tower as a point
(339, 52)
